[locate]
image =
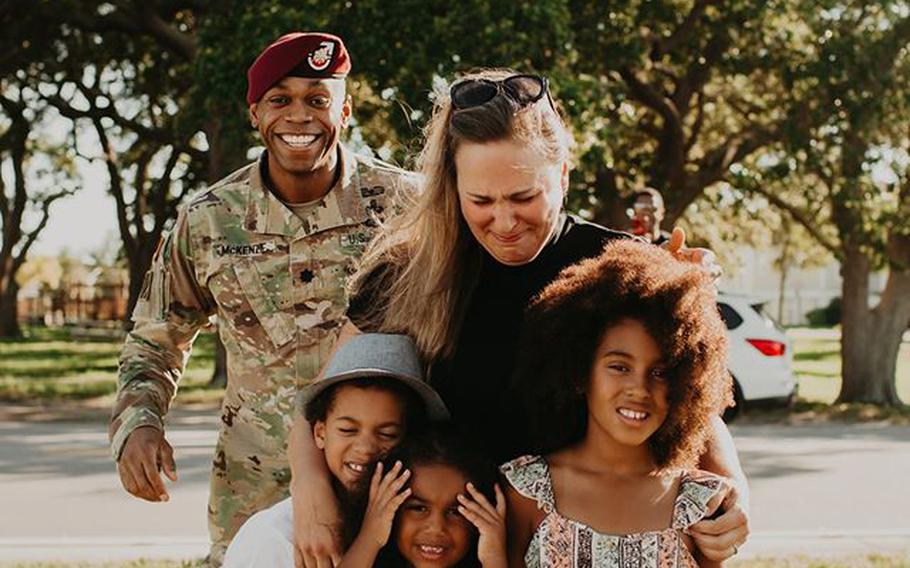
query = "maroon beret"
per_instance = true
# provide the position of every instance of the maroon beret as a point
(300, 54)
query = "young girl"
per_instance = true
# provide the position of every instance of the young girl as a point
(623, 368)
(432, 509)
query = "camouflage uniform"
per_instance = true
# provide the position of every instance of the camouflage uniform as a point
(277, 284)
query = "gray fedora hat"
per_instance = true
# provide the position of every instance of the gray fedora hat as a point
(378, 355)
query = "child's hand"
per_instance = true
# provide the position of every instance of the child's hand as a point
(386, 496)
(490, 522)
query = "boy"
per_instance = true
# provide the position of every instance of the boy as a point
(370, 395)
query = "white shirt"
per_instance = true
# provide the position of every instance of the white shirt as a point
(266, 540)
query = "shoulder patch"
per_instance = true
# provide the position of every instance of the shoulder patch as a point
(379, 166)
(212, 195)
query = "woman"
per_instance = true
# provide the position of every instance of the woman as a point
(457, 269)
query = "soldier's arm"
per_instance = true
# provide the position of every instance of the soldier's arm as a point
(317, 519)
(171, 310)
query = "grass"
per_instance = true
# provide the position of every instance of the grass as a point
(817, 365)
(47, 364)
(129, 564)
(870, 561)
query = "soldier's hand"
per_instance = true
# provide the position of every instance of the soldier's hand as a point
(145, 455)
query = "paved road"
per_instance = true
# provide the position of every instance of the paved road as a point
(817, 489)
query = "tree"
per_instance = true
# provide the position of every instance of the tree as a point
(797, 250)
(26, 193)
(137, 98)
(851, 189)
(667, 94)
(672, 94)
(122, 95)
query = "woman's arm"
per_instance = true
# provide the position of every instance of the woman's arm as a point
(720, 457)
(720, 538)
(317, 520)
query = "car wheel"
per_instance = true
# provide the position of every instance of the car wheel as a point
(732, 412)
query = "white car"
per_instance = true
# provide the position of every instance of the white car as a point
(760, 356)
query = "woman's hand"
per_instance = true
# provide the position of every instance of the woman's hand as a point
(490, 522)
(317, 525)
(701, 256)
(387, 493)
(719, 539)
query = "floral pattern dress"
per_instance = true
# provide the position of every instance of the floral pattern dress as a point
(560, 542)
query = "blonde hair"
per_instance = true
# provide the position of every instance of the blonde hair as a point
(423, 266)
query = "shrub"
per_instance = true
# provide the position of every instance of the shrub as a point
(827, 316)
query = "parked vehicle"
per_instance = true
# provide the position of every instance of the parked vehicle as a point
(760, 356)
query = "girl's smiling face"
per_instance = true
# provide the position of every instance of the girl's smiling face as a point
(627, 396)
(430, 532)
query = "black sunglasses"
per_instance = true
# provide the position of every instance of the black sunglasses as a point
(524, 90)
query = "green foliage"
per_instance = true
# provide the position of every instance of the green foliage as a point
(735, 111)
(657, 92)
(859, 76)
(827, 316)
(818, 369)
(49, 364)
(397, 49)
(667, 93)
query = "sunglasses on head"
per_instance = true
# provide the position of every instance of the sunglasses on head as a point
(524, 90)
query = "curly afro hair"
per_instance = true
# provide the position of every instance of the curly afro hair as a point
(564, 326)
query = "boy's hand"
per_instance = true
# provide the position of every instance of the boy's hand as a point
(386, 495)
(490, 522)
(146, 454)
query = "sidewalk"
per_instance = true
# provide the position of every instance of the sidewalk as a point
(817, 490)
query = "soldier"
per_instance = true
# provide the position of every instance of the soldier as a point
(268, 250)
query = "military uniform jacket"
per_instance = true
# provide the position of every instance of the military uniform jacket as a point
(277, 284)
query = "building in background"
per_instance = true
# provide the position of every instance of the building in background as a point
(805, 290)
(74, 293)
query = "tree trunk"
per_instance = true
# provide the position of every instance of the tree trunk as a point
(219, 376)
(782, 283)
(9, 311)
(871, 338)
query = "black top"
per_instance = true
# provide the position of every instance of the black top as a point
(474, 381)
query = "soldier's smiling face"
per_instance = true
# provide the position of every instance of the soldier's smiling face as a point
(362, 425)
(300, 121)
